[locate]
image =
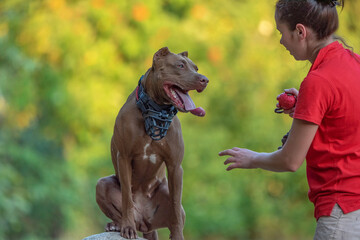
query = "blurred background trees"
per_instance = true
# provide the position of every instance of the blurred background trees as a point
(66, 67)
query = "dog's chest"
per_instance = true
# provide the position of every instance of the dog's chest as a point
(148, 163)
(150, 154)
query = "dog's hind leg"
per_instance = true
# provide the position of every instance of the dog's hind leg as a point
(151, 235)
(108, 197)
(161, 214)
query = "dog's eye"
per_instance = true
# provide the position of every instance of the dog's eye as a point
(180, 65)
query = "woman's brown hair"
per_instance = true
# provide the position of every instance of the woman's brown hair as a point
(320, 15)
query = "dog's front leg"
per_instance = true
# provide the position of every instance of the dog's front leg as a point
(177, 217)
(128, 228)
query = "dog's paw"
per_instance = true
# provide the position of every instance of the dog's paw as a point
(128, 232)
(112, 227)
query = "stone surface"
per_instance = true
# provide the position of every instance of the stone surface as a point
(108, 236)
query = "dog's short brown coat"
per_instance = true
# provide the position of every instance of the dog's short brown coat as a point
(139, 197)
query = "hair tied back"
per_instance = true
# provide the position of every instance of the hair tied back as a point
(335, 3)
(332, 3)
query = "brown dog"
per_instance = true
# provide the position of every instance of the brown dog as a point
(144, 145)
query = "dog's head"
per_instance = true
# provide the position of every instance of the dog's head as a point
(174, 76)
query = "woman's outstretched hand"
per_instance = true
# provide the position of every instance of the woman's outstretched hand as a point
(239, 158)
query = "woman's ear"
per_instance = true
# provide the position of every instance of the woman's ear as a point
(301, 31)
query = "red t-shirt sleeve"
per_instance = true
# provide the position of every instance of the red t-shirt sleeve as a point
(314, 99)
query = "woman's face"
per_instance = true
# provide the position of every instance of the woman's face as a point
(289, 39)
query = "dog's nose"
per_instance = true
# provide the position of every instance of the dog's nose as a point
(203, 80)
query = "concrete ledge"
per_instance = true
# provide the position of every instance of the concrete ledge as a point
(108, 236)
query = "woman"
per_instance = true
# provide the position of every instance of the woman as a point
(326, 125)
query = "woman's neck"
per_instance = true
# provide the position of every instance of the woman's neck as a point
(317, 46)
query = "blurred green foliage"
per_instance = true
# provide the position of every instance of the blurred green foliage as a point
(66, 67)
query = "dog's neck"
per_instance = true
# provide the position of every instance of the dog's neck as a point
(157, 117)
(154, 87)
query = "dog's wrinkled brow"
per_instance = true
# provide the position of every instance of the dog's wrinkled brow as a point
(193, 65)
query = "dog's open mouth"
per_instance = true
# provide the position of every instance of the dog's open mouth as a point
(182, 101)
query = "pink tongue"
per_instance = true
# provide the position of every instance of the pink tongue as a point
(198, 112)
(189, 105)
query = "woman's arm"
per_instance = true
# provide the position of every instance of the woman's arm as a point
(289, 158)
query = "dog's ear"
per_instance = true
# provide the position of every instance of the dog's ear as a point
(184, 54)
(161, 53)
(158, 55)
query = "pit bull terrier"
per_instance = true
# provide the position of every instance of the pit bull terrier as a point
(147, 142)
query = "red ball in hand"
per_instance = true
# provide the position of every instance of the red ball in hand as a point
(286, 101)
